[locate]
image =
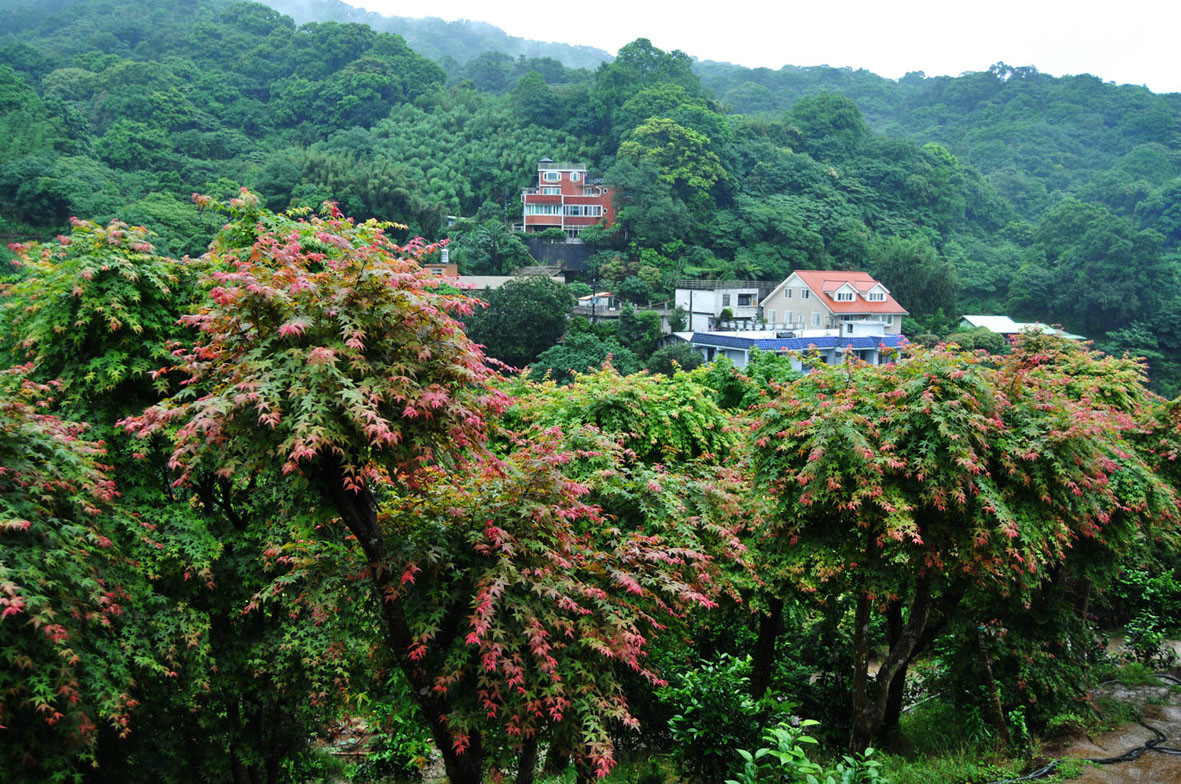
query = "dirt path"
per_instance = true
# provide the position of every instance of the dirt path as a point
(1161, 708)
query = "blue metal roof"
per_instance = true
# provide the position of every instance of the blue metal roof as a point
(794, 344)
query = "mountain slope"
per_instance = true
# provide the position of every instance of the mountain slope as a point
(436, 38)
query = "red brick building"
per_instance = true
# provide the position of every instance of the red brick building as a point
(565, 198)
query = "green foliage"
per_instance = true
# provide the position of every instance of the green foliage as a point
(75, 593)
(638, 331)
(1146, 639)
(523, 318)
(670, 359)
(580, 289)
(581, 352)
(401, 746)
(487, 248)
(296, 309)
(763, 377)
(682, 156)
(552, 233)
(979, 339)
(1113, 273)
(784, 759)
(635, 291)
(679, 320)
(94, 309)
(831, 125)
(1136, 590)
(519, 555)
(660, 419)
(714, 714)
(912, 270)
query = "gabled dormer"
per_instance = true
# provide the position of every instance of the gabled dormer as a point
(846, 292)
(877, 293)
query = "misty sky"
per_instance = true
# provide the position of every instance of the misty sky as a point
(1133, 42)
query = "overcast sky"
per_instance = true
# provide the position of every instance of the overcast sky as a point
(1135, 41)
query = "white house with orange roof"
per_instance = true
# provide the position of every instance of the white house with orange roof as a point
(851, 302)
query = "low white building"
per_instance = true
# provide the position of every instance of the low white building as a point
(831, 346)
(705, 301)
(1003, 325)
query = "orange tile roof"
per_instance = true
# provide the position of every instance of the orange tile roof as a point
(824, 284)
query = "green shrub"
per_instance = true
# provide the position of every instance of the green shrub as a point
(401, 746)
(715, 714)
(1146, 640)
(783, 760)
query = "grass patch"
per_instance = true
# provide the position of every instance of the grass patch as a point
(1137, 674)
(1115, 713)
(968, 770)
(952, 769)
(954, 747)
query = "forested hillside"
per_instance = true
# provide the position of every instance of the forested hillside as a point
(1000, 191)
(457, 41)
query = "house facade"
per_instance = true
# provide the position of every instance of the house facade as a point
(705, 301)
(565, 198)
(852, 303)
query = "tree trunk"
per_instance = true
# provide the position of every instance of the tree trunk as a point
(557, 756)
(527, 762)
(861, 717)
(359, 512)
(869, 708)
(770, 627)
(238, 768)
(583, 773)
(1083, 602)
(995, 714)
(894, 700)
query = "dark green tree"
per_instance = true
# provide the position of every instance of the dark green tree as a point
(524, 317)
(582, 352)
(916, 275)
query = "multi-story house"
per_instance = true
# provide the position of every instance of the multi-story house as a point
(850, 302)
(565, 198)
(706, 302)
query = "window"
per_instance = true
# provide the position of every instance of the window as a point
(584, 210)
(787, 317)
(574, 176)
(816, 318)
(771, 315)
(805, 294)
(787, 293)
(551, 176)
(543, 209)
(744, 300)
(725, 300)
(588, 191)
(889, 320)
(551, 191)
(844, 296)
(876, 296)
